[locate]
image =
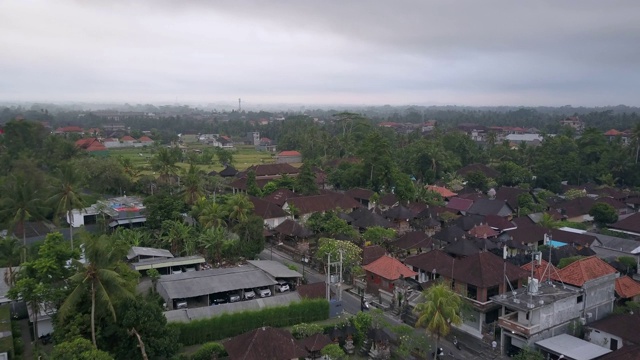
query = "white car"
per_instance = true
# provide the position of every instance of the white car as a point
(264, 292)
(249, 294)
(282, 286)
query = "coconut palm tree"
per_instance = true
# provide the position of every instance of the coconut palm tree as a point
(20, 202)
(441, 308)
(101, 278)
(239, 208)
(67, 194)
(10, 254)
(176, 234)
(192, 185)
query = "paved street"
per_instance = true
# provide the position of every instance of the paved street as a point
(470, 348)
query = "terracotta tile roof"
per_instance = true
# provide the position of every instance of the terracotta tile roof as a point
(631, 224)
(542, 271)
(145, 139)
(485, 270)
(289, 153)
(127, 138)
(613, 132)
(483, 231)
(372, 253)
(443, 191)
(583, 270)
(622, 325)
(389, 268)
(70, 129)
(627, 288)
(432, 260)
(459, 204)
(264, 343)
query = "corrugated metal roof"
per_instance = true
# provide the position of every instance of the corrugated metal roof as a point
(198, 283)
(147, 251)
(275, 269)
(162, 263)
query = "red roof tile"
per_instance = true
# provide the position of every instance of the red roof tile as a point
(583, 270)
(127, 138)
(444, 192)
(372, 253)
(389, 268)
(289, 153)
(542, 271)
(264, 343)
(483, 231)
(627, 288)
(613, 132)
(145, 139)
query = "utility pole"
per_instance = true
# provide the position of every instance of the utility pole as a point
(339, 285)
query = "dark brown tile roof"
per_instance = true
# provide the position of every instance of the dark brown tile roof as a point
(627, 352)
(469, 221)
(316, 290)
(264, 343)
(528, 234)
(485, 270)
(510, 195)
(450, 234)
(413, 240)
(372, 253)
(292, 228)
(241, 183)
(372, 219)
(359, 193)
(459, 204)
(315, 343)
(265, 209)
(499, 223)
(622, 325)
(462, 247)
(389, 268)
(487, 171)
(483, 231)
(631, 224)
(618, 205)
(575, 207)
(388, 200)
(272, 170)
(280, 196)
(434, 259)
(490, 207)
(228, 171)
(573, 238)
(399, 213)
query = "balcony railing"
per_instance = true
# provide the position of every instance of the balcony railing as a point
(510, 322)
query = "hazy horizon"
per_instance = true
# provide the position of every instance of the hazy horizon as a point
(334, 53)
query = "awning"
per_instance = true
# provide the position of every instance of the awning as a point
(572, 348)
(127, 221)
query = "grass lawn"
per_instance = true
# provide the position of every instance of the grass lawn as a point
(244, 156)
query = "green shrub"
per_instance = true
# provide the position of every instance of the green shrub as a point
(304, 330)
(208, 350)
(229, 325)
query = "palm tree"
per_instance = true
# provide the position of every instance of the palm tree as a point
(192, 185)
(548, 222)
(212, 240)
(239, 208)
(212, 214)
(21, 202)
(10, 253)
(440, 309)
(100, 278)
(176, 234)
(67, 195)
(164, 162)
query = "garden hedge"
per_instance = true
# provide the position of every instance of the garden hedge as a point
(229, 325)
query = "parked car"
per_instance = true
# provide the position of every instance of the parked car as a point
(219, 299)
(264, 292)
(249, 294)
(181, 304)
(234, 297)
(282, 286)
(176, 270)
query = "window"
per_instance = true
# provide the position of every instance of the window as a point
(527, 315)
(579, 299)
(472, 292)
(493, 291)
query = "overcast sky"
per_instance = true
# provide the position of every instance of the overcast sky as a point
(376, 52)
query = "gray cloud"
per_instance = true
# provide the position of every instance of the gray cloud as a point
(457, 52)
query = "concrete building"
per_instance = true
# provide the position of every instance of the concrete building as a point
(118, 211)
